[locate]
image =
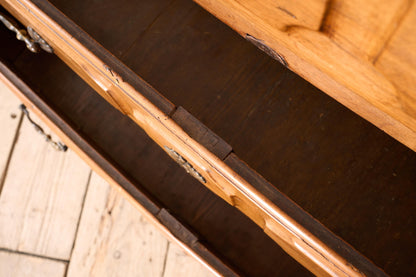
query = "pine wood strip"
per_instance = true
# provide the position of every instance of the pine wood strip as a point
(363, 29)
(42, 197)
(180, 264)
(13, 264)
(9, 121)
(114, 239)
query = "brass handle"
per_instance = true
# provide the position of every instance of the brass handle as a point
(57, 145)
(32, 39)
(21, 34)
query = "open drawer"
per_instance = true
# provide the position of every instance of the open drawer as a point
(352, 177)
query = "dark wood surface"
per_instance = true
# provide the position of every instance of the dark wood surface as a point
(349, 175)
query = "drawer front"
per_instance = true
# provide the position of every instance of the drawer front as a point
(154, 115)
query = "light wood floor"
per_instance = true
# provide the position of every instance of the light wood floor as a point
(58, 218)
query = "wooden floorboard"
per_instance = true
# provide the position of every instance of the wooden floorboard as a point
(9, 121)
(115, 240)
(178, 264)
(42, 197)
(13, 264)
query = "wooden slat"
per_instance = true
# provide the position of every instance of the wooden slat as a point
(9, 121)
(114, 239)
(398, 62)
(42, 197)
(363, 28)
(12, 264)
(180, 264)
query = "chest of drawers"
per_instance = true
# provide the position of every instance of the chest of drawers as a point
(164, 82)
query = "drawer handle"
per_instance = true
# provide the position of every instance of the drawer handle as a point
(185, 164)
(57, 145)
(32, 39)
(39, 40)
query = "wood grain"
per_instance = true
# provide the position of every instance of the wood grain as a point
(9, 122)
(283, 14)
(13, 264)
(114, 239)
(41, 198)
(363, 30)
(397, 61)
(180, 264)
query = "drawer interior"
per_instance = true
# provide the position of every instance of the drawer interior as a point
(219, 226)
(346, 173)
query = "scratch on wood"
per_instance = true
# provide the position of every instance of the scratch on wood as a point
(113, 74)
(265, 48)
(287, 12)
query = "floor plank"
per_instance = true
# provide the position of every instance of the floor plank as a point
(180, 264)
(12, 264)
(9, 122)
(114, 239)
(42, 197)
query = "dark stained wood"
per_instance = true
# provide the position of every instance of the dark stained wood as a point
(201, 133)
(112, 64)
(125, 20)
(349, 175)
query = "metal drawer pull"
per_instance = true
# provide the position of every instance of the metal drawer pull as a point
(39, 40)
(32, 39)
(185, 164)
(57, 145)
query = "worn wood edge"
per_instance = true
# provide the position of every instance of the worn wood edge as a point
(150, 211)
(304, 218)
(301, 51)
(297, 241)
